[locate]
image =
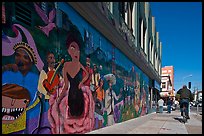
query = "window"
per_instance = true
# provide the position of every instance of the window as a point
(23, 14)
(163, 84)
(141, 33)
(144, 36)
(47, 7)
(122, 9)
(110, 6)
(164, 71)
(65, 21)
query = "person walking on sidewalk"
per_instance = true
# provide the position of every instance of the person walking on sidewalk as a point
(160, 104)
(169, 104)
(185, 97)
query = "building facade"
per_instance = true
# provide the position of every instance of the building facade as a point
(167, 82)
(119, 39)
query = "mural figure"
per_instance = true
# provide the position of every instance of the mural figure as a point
(125, 91)
(90, 72)
(20, 73)
(7, 47)
(137, 94)
(99, 104)
(49, 84)
(74, 110)
(15, 101)
(49, 66)
(95, 77)
(143, 103)
(50, 77)
(48, 20)
(109, 99)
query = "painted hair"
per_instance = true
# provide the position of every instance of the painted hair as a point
(74, 36)
(15, 91)
(45, 67)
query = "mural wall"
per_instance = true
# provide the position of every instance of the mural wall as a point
(60, 75)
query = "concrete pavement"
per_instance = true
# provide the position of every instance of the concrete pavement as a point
(156, 123)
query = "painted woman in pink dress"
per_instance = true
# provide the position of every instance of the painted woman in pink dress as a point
(73, 110)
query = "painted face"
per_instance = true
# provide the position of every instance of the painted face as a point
(88, 61)
(74, 51)
(51, 60)
(23, 61)
(12, 109)
(95, 68)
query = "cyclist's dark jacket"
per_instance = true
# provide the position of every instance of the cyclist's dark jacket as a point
(185, 93)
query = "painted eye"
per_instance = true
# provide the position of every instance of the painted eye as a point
(25, 101)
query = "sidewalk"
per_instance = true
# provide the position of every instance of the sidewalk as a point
(155, 123)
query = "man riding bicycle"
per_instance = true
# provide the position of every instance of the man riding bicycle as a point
(185, 98)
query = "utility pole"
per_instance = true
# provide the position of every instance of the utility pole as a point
(194, 93)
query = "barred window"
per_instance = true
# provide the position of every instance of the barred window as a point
(23, 14)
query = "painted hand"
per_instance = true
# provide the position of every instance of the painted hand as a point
(40, 94)
(80, 85)
(12, 67)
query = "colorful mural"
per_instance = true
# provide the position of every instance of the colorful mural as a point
(60, 75)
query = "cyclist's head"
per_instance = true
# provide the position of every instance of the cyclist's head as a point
(184, 86)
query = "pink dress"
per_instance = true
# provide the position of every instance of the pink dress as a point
(61, 120)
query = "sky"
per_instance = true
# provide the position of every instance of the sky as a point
(180, 30)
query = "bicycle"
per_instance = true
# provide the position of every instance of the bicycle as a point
(185, 112)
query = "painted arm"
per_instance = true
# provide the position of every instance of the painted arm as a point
(85, 78)
(34, 104)
(41, 88)
(116, 97)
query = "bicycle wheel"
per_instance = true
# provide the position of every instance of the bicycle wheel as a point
(184, 114)
(184, 118)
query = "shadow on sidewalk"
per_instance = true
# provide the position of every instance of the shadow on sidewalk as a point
(180, 119)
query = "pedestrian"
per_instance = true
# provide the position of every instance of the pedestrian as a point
(169, 104)
(160, 104)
